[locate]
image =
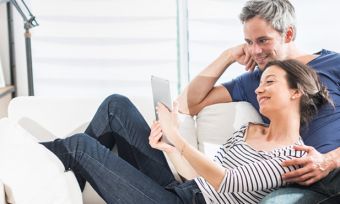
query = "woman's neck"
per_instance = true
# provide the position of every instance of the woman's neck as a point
(284, 128)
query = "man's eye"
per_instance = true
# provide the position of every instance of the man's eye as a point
(263, 41)
(249, 42)
(269, 81)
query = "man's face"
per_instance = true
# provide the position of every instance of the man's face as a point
(264, 43)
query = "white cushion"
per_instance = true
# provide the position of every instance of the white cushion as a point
(30, 172)
(218, 122)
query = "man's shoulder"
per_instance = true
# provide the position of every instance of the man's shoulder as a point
(324, 53)
(325, 58)
(254, 75)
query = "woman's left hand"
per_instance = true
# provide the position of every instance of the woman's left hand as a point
(168, 120)
(314, 167)
(155, 140)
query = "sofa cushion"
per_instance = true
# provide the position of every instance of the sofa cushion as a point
(218, 122)
(30, 172)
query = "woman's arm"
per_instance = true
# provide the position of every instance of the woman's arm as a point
(181, 165)
(256, 176)
(204, 167)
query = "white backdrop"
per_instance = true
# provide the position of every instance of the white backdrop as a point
(85, 47)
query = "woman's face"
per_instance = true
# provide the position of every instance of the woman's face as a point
(273, 93)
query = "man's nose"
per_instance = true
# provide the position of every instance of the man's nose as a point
(256, 49)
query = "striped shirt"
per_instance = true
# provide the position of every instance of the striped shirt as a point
(250, 174)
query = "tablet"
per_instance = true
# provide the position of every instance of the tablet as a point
(161, 92)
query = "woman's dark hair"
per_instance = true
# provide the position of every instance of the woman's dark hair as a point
(302, 77)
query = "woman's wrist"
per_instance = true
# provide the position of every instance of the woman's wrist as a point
(179, 142)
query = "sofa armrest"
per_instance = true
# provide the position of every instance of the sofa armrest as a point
(2, 194)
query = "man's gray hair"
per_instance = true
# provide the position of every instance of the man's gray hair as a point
(279, 13)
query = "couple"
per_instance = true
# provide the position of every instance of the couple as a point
(286, 93)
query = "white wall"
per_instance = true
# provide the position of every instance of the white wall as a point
(99, 47)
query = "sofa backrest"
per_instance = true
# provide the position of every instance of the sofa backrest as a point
(57, 117)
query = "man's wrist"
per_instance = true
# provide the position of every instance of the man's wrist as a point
(332, 159)
(228, 57)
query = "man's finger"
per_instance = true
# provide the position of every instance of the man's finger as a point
(297, 161)
(296, 173)
(249, 65)
(303, 148)
(308, 182)
(253, 65)
(300, 179)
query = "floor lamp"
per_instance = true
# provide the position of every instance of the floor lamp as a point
(29, 22)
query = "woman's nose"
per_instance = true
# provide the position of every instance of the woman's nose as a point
(259, 90)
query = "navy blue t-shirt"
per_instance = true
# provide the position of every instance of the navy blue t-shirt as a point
(323, 132)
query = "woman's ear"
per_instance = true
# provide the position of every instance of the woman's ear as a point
(296, 94)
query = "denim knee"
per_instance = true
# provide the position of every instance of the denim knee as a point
(118, 101)
(77, 143)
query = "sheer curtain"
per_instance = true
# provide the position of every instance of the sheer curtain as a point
(95, 48)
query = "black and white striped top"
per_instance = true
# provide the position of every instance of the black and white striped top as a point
(250, 174)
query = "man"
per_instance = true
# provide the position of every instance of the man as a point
(269, 31)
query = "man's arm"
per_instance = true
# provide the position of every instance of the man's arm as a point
(315, 166)
(202, 91)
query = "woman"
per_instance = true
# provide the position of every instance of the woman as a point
(246, 168)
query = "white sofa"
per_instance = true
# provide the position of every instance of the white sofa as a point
(48, 118)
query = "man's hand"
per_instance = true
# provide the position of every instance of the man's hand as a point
(241, 54)
(314, 167)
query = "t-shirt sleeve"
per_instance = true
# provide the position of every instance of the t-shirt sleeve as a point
(235, 89)
(242, 88)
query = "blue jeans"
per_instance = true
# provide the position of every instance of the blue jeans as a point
(326, 191)
(139, 174)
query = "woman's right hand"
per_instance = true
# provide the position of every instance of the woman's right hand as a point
(155, 140)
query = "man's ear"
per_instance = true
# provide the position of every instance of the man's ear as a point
(289, 35)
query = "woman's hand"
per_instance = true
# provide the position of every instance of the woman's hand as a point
(314, 167)
(168, 120)
(155, 139)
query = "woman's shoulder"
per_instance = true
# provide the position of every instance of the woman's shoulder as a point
(253, 128)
